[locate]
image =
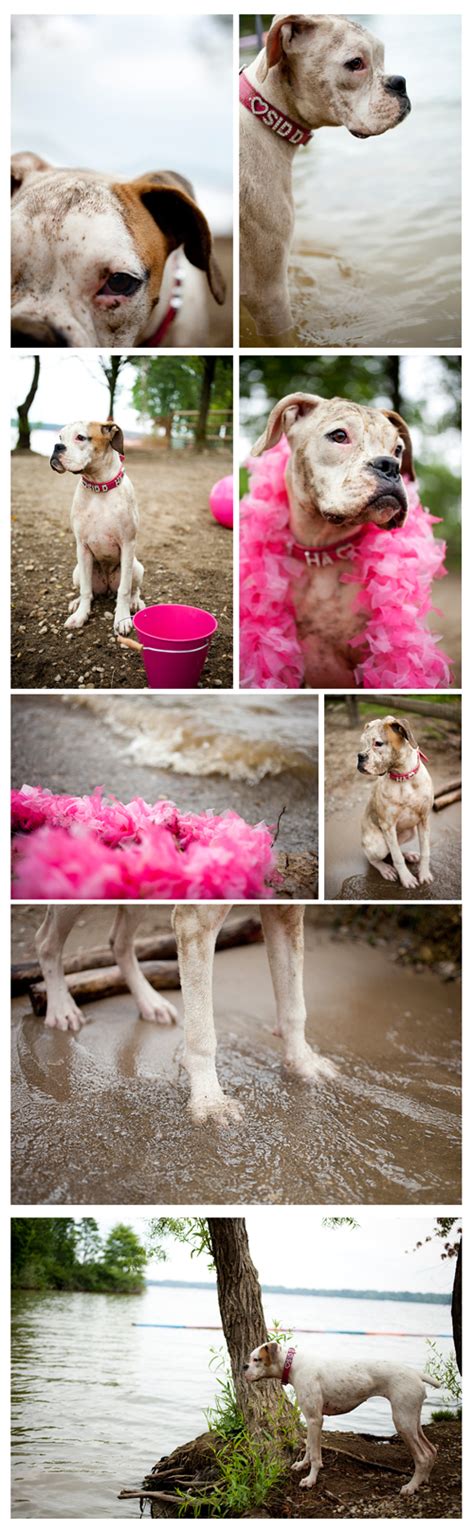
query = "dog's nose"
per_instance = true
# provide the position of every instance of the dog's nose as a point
(31, 333)
(389, 467)
(361, 759)
(397, 84)
(58, 448)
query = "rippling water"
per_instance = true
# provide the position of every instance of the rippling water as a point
(242, 738)
(97, 1401)
(376, 255)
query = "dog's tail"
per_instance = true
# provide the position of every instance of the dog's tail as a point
(433, 1381)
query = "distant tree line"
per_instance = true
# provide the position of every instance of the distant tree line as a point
(69, 1254)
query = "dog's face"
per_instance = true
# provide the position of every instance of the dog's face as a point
(265, 1362)
(84, 445)
(347, 460)
(382, 744)
(336, 72)
(88, 253)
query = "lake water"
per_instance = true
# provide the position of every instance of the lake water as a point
(376, 254)
(96, 1400)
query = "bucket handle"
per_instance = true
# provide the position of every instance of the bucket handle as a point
(141, 648)
(130, 643)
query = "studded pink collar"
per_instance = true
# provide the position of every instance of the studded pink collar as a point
(111, 482)
(289, 1358)
(270, 116)
(405, 775)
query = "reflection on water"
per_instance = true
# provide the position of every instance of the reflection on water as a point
(96, 1401)
(376, 254)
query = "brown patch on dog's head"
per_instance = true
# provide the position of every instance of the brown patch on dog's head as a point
(407, 465)
(268, 1353)
(399, 733)
(283, 31)
(283, 416)
(108, 434)
(161, 213)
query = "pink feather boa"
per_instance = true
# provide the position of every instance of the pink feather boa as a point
(394, 569)
(92, 847)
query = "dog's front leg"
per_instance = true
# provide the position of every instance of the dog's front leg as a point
(424, 874)
(83, 577)
(151, 1006)
(196, 927)
(61, 1010)
(122, 619)
(313, 1450)
(284, 937)
(406, 877)
(304, 1461)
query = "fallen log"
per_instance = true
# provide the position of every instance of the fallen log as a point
(449, 786)
(157, 948)
(104, 983)
(446, 800)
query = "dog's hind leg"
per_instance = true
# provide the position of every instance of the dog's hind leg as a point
(284, 937)
(61, 1010)
(196, 927)
(151, 1005)
(136, 603)
(407, 1422)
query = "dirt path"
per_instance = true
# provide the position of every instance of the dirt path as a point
(360, 1480)
(387, 1131)
(347, 874)
(186, 554)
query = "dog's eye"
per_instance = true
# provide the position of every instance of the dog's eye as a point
(378, 744)
(354, 64)
(81, 438)
(120, 284)
(398, 450)
(338, 435)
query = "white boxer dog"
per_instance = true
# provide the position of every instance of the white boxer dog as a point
(400, 802)
(97, 261)
(196, 927)
(337, 1387)
(104, 519)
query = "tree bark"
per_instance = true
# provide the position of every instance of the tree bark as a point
(241, 1310)
(24, 443)
(392, 364)
(456, 1309)
(205, 400)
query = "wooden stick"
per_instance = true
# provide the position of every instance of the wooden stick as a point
(147, 949)
(449, 786)
(102, 983)
(130, 643)
(444, 802)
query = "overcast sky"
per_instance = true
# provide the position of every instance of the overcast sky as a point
(290, 1247)
(70, 388)
(126, 94)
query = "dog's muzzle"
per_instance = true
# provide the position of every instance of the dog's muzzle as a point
(36, 332)
(55, 459)
(389, 498)
(396, 85)
(361, 763)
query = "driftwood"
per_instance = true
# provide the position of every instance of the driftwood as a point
(147, 949)
(444, 800)
(449, 786)
(103, 983)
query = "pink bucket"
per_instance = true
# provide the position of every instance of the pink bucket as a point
(175, 643)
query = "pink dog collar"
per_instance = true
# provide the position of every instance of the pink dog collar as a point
(321, 557)
(270, 115)
(174, 304)
(111, 482)
(289, 1358)
(405, 775)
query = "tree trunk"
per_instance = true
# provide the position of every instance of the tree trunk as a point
(24, 444)
(392, 364)
(456, 1309)
(205, 400)
(112, 374)
(240, 1304)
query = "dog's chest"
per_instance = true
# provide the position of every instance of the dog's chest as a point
(102, 521)
(326, 621)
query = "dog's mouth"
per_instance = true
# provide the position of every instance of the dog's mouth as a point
(388, 508)
(57, 465)
(355, 134)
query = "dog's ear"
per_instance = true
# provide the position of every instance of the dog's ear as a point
(272, 1348)
(283, 417)
(171, 201)
(401, 727)
(115, 435)
(22, 165)
(407, 459)
(285, 35)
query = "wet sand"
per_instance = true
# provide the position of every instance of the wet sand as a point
(347, 872)
(101, 1117)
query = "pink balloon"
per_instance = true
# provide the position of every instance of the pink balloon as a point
(221, 501)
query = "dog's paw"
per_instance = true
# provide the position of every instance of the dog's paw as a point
(297, 1467)
(408, 880)
(123, 625)
(159, 1011)
(217, 1109)
(65, 1017)
(425, 877)
(76, 620)
(412, 857)
(311, 1066)
(387, 872)
(310, 1481)
(407, 1489)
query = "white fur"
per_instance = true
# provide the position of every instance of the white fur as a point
(105, 526)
